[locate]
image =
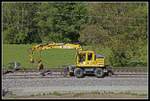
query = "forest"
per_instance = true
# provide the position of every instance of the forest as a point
(120, 29)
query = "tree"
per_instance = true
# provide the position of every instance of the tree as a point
(61, 22)
(124, 24)
(18, 17)
(94, 34)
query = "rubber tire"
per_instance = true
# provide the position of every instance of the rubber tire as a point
(78, 72)
(99, 72)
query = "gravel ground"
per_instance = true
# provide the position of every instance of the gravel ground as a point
(26, 87)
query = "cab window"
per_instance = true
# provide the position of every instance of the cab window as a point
(89, 56)
(82, 57)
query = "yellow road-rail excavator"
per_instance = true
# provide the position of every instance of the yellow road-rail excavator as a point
(86, 62)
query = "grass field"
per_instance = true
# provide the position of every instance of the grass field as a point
(51, 58)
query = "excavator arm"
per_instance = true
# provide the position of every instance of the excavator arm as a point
(42, 47)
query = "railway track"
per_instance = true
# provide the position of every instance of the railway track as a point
(59, 73)
(117, 69)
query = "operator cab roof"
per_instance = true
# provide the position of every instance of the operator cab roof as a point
(99, 56)
(86, 51)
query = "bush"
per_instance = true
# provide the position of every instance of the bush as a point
(136, 63)
(118, 58)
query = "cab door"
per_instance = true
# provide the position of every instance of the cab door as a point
(90, 58)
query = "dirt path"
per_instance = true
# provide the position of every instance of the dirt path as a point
(93, 95)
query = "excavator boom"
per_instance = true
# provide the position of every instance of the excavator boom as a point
(56, 45)
(42, 47)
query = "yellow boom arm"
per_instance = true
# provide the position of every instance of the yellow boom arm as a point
(41, 47)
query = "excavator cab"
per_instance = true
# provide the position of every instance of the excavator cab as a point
(88, 62)
(85, 58)
(89, 59)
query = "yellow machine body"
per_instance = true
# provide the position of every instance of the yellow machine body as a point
(83, 58)
(86, 62)
(89, 59)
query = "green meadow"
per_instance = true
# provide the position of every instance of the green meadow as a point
(52, 58)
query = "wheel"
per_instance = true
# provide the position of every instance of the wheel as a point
(99, 72)
(78, 72)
